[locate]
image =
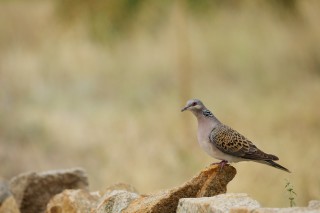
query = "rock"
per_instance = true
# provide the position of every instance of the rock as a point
(115, 201)
(120, 186)
(282, 210)
(220, 203)
(77, 200)
(9, 205)
(32, 190)
(314, 204)
(7, 202)
(313, 207)
(4, 192)
(209, 182)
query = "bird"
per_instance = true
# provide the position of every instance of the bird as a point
(224, 143)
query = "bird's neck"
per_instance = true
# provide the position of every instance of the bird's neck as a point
(206, 117)
(206, 123)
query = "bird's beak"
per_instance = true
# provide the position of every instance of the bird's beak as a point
(184, 108)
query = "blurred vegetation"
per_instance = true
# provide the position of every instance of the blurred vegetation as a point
(100, 84)
(108, 20)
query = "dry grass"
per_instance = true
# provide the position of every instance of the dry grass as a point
(114, 110)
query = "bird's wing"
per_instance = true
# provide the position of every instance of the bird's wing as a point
(233, 143)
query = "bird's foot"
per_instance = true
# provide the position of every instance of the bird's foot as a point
(221, 164)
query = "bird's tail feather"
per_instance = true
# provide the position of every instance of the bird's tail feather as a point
(274, 164)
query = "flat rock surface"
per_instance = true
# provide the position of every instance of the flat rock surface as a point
(220, 203)
(283, 210)
(313, 207)
(314, 204)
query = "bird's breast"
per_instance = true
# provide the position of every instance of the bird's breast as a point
(211, 150)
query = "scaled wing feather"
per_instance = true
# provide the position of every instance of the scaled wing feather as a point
(232, 142)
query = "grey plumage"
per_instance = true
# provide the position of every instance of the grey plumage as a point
(224, 143)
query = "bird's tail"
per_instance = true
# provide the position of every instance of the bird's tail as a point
(274, 164)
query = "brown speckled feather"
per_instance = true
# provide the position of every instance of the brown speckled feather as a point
(232, 142)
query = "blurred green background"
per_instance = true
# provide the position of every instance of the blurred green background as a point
(100, 84)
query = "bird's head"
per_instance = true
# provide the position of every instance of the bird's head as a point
(193, 105)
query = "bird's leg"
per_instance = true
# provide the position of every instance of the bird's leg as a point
(221, 164)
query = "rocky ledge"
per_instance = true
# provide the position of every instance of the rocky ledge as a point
(65, 191)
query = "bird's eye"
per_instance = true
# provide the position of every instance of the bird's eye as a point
(194, 103)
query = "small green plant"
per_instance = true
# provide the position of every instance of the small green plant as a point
(292, 193)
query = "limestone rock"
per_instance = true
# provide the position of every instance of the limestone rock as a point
(220, 203)
(120, 186)
(32, 190)
(314, 204)
(209, 182)
(313, 207)
(4, 192)
(9, 205)
(77, 200)
(284, 210)
(115, 201)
